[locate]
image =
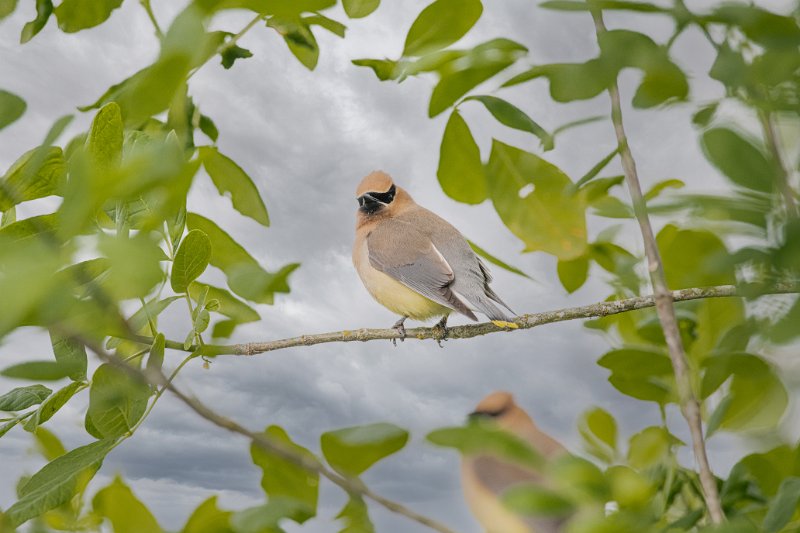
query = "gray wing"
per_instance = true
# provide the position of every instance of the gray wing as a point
(400, 251)
(472, 277)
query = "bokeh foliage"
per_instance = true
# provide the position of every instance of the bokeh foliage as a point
(123, 235)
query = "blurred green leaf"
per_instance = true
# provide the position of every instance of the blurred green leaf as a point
(620, 5)
(597, 169)
(573, 273)
(190, 260)
(495, 261)
(116, 402)
(208, 127)
(694, 258)
(440, 24)
(11, 108)
(460, 169)
(41, 370)
(483, 438)
(661, 186)
(353, 450)
(229, 305)
(155, 360)
(48, 444)
(384, 69)
(628, 487)
(757, 398)
(284, 480)
(231, 53)
(649, 447)
(762, 26)
(513, 117)
(355, 516)
(568, 81)
(56, 482)
(705, 115)
(135, 265)
(70, 352)
(784, 506)
(123, 509)
(477, 66)
(7, 7)
(333, 26)
(640, 373)
(208, 518)
(768, 469)
(232, 181)
(52, 404)
(23, 397)
(267, 518)
(38, 173)
(578, 478)
(528, 499)
(299, 38)
(44, 8)
(599, 431)
(547, 218)
(76, 15)
(357, 9)
(104, 144)
(739, 159)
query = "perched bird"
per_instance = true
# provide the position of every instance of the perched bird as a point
(484, 477)
(415, 263)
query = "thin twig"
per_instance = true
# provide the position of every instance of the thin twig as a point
(230, 43)
(599, 309)
(784, 180)
(664, 301)
(156, 377)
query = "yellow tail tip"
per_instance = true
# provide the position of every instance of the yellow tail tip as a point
(504, 324)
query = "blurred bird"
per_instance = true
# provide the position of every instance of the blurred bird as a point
(484, 477)
(415, 263)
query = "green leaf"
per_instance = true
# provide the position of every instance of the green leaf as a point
(229, 305)
(333, 26)
(48, 444)
(52, 404)
(151, 310)
(482, 438)
(599, 431)
(76, 15)
(569, 81)
(44, 8)
(477, 66)
(355, 516)
(116, 402)
(495, 261)
(573, 273)
(267, 518)
(705, 115)
(208, 127)
(7, 7)
(231, 180)
(529, 499)
(71, 353)
(23, 397)
(694, 258)
(285, 480)
(620, 5)
(546, 219)
(104, 144)
(245, 277)
(56, 482)
(38, 173)
(40, 370)
(629, 488)
(513, 117)
(190, 260)
(208, 518)
(661, 186)
(353, 450)
(135, 265)
(784, 506)
(744, 163)
(384, 69)
(231, 53)
(762, 26)
(650, 446)
(123, 509)
(440, 24)
(11, 108)
(298, 37)
(640, 373)
(156, 357)
(357, 9)
(460, 169)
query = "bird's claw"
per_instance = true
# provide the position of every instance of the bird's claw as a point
(440, 331)
(400, 329)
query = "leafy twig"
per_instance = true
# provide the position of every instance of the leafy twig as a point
(663, 301)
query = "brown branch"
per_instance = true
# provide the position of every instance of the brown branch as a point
(157, 378)
(663, 301)
(527, 321)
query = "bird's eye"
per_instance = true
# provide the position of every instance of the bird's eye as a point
(385, 197)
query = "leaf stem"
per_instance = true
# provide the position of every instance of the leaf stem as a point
(664, 302)
(230, 43)
(773, 143)
(146, 5)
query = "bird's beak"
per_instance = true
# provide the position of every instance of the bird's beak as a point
(368, 203)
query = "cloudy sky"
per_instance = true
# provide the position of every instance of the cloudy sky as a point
(307, 138)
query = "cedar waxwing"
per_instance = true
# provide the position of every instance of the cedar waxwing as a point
(415, 263)
(485, 477)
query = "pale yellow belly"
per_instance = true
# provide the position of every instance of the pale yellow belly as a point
(486, 507)
(393, 295)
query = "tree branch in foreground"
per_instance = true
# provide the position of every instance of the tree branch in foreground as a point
(157, 378)
(526, 321)
(664, 300)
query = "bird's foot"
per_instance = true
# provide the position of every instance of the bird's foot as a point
(440, 331)
(400, 328)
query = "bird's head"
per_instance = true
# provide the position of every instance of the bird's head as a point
(376, 193)
(500, 408)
